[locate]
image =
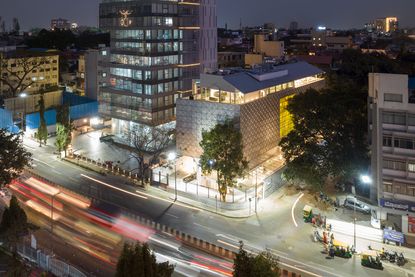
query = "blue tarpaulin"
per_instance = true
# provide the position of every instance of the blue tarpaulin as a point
(80, 107)
(6, 121)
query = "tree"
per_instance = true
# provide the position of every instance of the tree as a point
(248, 265)
(17, 81)
(3, 27)
(139, 261)
(42, 131)
(329, 135)
(16, 25)
(64, 128)
(14, 223)
(13, 157)
(223, 152)
(148, 140)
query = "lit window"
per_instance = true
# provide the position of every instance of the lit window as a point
(411, 167)
(104, 53)
(169, 21)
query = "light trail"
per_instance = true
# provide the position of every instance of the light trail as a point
(170, 201)
(228, 244)
(113, 187)
(141, 194)
(293, 207)
(165, 243)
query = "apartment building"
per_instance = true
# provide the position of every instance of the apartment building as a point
(392, 138)
(37, 68)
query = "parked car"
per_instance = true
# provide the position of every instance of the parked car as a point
(189, 178)
(352, 203)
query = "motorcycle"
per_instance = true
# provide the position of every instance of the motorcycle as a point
(317, 236)
(401, 261)
(392, 257)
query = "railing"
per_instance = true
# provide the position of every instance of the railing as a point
(48, 263)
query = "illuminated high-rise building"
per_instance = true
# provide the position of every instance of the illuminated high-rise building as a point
(157, 48)
(386, 25)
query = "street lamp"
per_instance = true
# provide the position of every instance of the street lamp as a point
(366, 179)
(23, 95)
(172, 157)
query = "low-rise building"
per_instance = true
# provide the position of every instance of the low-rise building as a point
(60, 24)
(255, 99)
(231, 59)
(392, 139)
(264, 49)
(29, 70)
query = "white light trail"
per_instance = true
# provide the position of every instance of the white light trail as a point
(293, 207)
(113, 187)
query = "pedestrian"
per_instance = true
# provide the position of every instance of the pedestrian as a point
(324, 237)
(332, 238)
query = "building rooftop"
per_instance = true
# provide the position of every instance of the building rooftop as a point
(266, 76)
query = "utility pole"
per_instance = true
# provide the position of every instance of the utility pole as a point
(175, 181)
(354, 222)
(256, 190)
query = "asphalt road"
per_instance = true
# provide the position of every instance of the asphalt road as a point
(272, 229)
(93, 239)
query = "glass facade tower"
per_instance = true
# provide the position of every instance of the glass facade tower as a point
(154, 57)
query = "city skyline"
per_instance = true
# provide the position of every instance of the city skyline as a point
(354, 13)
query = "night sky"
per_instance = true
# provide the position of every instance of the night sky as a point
(340, 14)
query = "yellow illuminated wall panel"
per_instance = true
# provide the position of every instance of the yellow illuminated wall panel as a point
(286, 121)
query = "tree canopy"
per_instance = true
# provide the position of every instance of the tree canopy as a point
(64, 128)
(42, 130)
(63, 39)
(223, 152)
(138, 261)
(329, 135)
(250, 265)
(13, 157)
(14, 222)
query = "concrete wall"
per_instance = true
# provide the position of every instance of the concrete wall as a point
(29, 103)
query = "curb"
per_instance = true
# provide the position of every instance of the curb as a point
(169, 196)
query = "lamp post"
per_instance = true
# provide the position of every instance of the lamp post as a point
(24, 96)
(256, 189)
(354, 223)
(172, 157)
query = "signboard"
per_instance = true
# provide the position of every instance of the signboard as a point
(394, 236)
(397, 204)
(411, 224)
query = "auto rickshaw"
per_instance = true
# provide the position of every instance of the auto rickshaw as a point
(342, 250)
(307, 213)
(371, 259)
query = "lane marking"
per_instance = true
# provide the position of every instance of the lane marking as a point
(199, 225)
(57, 172)
(169, 201)
(293, 207)
(113, 187)
(229, 244)
(39, 161)
(304, 264)
(30, 147)
(229, 238)
(172, 215)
